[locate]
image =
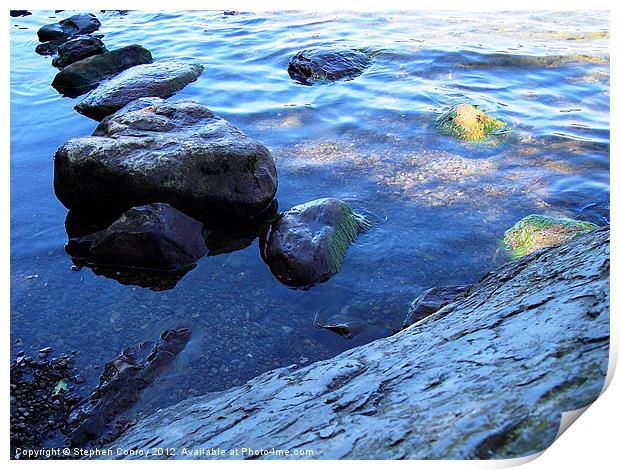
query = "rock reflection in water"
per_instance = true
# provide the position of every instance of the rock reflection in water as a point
(151, 246)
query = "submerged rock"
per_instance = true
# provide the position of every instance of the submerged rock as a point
(346, 326)
(327, 64)
(178, 153)
(123, 380)
(431, 301)
(76, 49)
(540, 231)
(489, 380)
(306, 244)
(84, 75)
(467, 122)
(83, 23)
(156, 236)
(159, 79)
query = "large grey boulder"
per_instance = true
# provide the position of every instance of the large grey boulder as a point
(159, 79)
(487, 376)
(83, 23)
(179, 153)
(155, 236)
(307, 243)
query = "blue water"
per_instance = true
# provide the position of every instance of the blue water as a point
(439, 206)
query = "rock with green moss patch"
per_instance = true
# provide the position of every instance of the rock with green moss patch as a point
(307, 243)
(467, 122)
(540, 231)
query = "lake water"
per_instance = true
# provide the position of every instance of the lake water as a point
(439, 206)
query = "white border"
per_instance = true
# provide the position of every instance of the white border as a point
(591, 443)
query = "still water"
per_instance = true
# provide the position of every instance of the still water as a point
(439, 206)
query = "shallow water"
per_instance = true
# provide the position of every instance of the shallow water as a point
(439, 206)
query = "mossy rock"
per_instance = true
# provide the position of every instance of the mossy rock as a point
(539, 231)
(467, 122)
(307, 244)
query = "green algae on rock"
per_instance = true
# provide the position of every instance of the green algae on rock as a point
(467, 122)
(540, 231)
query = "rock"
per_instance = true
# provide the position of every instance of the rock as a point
(159, 79)
(327, 64)
(306, 244)
(76, 49)
(219, 240)
(346, 326)
(155, 236)
(17, 13)
(84, 75)
(539, 231)
(84, 23)
(122, 382)
(178, 153)
(432, 300)
(49, 47)
(487, 376)
(467, 122)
